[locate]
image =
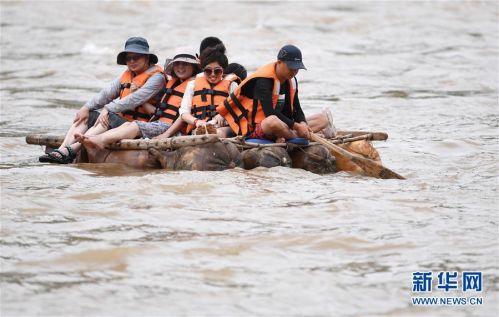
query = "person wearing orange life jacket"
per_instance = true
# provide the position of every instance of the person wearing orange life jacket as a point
(209, 89)
(129, 83)
(266, 104)
(232, 68)
(182, 68)
(136, 86)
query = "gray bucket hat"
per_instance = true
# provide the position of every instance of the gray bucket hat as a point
(137, 45)
(187, 58)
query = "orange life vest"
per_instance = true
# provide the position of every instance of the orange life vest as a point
(206, 97)
(244, 112)
(167, 111)
(126, 82)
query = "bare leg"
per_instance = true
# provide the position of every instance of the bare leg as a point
(128, 130)
(322, 123)
(69, 138)
(275, 127)
(317, 121)
(71, 141)
(76, 146)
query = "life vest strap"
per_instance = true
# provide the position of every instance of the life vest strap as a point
(167, 115)
(238, 104)
(172, 92)
(204, 111)
(197, 109)
(165, 106)
(125, 85)
(203, 92)
(160, 111)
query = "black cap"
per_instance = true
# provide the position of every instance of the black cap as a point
(291, 55)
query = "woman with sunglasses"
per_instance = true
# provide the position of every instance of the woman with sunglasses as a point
(209, 89)
(180, 70)
(122, 101)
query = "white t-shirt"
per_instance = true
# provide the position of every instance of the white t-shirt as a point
(186, 104)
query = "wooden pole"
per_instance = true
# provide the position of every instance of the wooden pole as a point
(164, 144)
(376, 136)
(370, 167)
(55, 141)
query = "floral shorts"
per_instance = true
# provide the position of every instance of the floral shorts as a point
(151, 129)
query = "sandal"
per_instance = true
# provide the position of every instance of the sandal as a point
(59, 159)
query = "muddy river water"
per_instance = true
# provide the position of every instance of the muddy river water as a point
(104, 240)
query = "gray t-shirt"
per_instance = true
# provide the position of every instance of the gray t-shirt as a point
(109, 97)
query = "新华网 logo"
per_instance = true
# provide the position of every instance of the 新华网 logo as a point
(466, 282)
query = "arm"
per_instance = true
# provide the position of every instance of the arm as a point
(218, 120)
(298, 114)
(186, 106)
(300, 126)
(263, 92)
(149, 109)
(105, 96)
(152, 86)
(98, 101)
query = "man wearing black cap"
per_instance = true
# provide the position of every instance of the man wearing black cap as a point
(266, 104)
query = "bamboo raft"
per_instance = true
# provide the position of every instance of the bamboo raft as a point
(54, 141)
(350, 151)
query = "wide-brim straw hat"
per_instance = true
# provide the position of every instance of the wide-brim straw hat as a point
(137, 45)
(187, 58)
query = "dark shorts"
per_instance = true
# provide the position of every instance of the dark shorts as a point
(258, 134)
(114, 119)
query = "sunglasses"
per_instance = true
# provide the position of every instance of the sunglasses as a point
(133, 58)
(217, 71)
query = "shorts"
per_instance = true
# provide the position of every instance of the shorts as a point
(258, 134)
(151, 129)
(114, 119)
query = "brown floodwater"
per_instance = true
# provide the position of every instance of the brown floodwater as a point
(106, 240)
